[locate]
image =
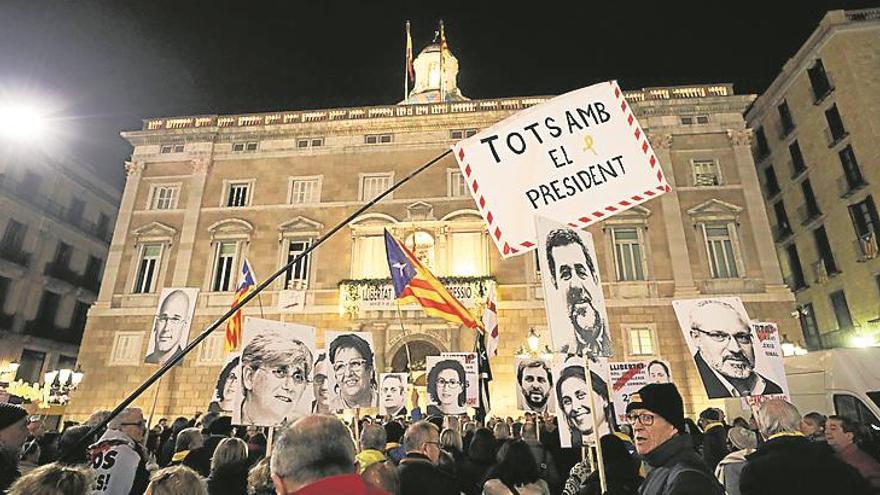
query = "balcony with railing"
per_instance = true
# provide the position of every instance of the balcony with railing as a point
(15, 255)
(64, 273)
(50, 207)
(866, 248)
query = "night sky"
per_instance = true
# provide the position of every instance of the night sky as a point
(103, 66)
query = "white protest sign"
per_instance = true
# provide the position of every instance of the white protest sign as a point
(577, 159)
(628, 377)
(471, 369)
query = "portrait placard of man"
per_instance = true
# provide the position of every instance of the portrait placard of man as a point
(722, 343)
(321, 383)
(277, 360)
(575, 411)
(534, 389)
(572, 290)
(170, 332)
(354, 371)
(392, 394)
(658, 372)
(447, 385)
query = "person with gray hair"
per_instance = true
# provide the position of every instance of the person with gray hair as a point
(373, 439)
(118, 460)
(788, 463)
(316, 455)
(418, 471)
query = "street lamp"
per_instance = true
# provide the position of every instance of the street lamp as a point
(21, 121)
(534, 340)
(60, 383)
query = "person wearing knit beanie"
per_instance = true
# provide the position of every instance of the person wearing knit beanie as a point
(656, 413)
(13, 433)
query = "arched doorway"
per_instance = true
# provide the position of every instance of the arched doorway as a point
(418, 351)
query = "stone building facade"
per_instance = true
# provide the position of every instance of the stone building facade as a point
(265, 185)
(56, 220)
(817, 139)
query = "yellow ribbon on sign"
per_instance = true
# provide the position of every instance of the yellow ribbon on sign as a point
(588, 144)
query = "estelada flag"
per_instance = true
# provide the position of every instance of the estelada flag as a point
(414, 283)
(234, 324)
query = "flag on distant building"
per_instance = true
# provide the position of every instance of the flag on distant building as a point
(490, 323)
(485, 372)
(443, 46)
(414, 283)
(409, 54)
(234, 324)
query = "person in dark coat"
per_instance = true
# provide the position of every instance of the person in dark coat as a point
(480, 456)
(13, 433)
(656, 414)
(418, 470)
(714, 438)
(621, 473)
(168, 446)
(788, 463)
(200, 458)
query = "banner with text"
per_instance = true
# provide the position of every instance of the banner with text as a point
(628, 377)
(578, 158)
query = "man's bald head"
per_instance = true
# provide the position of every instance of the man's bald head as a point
(177, 302)
(313, 448)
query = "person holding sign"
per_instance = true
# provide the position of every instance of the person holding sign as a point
(725, 354)
(656, 413)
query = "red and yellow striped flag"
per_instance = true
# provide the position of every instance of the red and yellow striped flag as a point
(414, 283)
(234, 324)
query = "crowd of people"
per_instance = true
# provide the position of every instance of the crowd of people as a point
(657, 451)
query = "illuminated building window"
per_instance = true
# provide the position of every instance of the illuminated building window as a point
(309, 142)
(641, 341)
(149, 257)
(421, 244)
(127, 348)
(244, 147)
(470, 254)
(372, 185)
(224, 266)
(461, 133)
(211, 349)
(370, 258)
(628, 253)
(455, 185)
(721, 249)
(305, 190)
(170, 148)
(298, 274)
(164, 197)
(378, 138)
(707, 173)
(238, 193)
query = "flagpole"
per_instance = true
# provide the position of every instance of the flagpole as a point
(405, 342)
(406, 52)
(442, 45)
(86, 439)
(592, 395)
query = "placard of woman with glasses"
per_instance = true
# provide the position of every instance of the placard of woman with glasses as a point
(276, 368)
(354, 372)
(447, 386)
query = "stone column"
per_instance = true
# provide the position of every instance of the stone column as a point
(672, 220)
(740, 139)
(188, 233)
(380, 346)
(133, 171)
